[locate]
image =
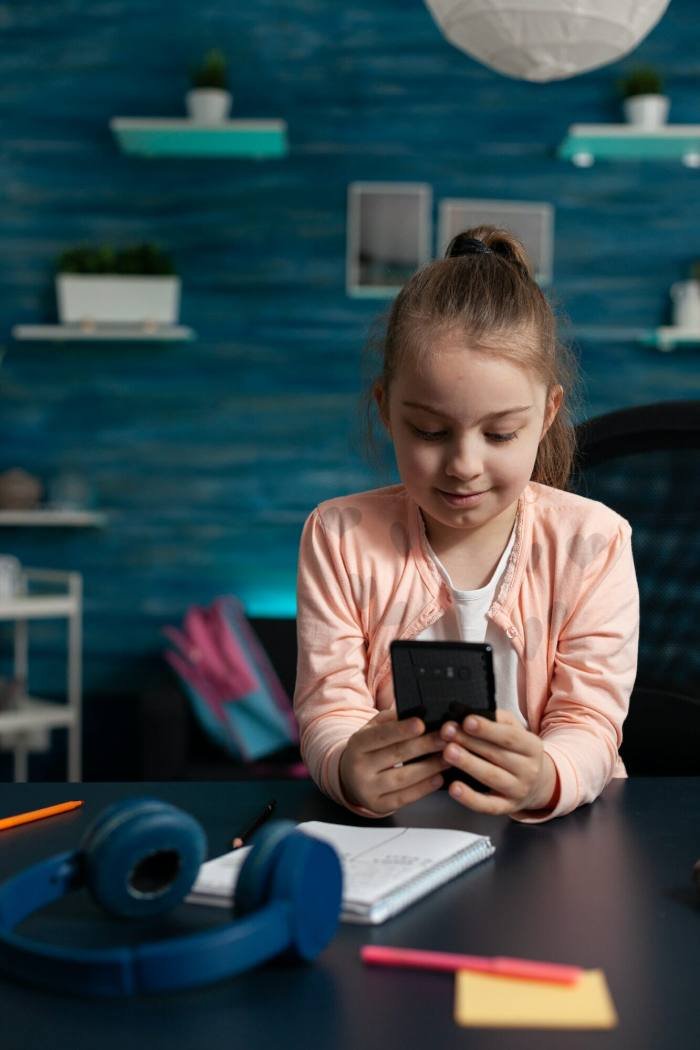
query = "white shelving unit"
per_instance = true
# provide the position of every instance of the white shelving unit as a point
(31, 718)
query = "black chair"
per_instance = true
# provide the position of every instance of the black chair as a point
(644, 462)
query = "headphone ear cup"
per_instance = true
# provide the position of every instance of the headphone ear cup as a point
(141, 857)
(255, 877)
(305, 873)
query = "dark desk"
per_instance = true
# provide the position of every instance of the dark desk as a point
(608, 886)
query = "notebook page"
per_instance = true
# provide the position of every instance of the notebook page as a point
(378, 861)
(218, 877)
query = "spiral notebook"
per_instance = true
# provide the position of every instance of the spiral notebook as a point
(384, 869)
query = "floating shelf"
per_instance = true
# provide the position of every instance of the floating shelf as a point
(663, 338)
(671, 336)
(608, 334)
(49, 516)
(185, 138)
(586, 143)
(101, 332)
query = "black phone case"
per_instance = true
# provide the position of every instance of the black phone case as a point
(441, 682)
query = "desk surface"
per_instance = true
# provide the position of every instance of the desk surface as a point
(608, 886)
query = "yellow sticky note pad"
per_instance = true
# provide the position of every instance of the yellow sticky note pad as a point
(488, 1001)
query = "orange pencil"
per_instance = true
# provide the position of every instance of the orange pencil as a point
(37, 814)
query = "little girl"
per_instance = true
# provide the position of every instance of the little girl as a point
(480, 542)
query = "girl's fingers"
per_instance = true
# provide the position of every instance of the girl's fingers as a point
(385, 730)
(397, 777)
(491, 775)
(490, 739)
(426, 744)
(410, 791)
(505, 732)
(510, 761)
(494, 804)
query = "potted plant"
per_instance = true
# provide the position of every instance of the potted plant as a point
(685, 296)
(645, 104)
(103, 285)
(209, 100)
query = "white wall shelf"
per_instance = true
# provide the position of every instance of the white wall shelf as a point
(586, 143)
(115, 333)
(608, 333)
(50, 517)
(663, 338)
(161, 137)
(25, 725)
(668, 337)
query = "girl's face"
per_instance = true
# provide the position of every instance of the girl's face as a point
(465, 428)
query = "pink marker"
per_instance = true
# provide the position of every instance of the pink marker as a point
(412, 958)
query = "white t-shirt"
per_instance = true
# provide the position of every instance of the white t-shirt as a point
(465, 621)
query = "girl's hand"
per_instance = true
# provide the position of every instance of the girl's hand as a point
(369, 772)
(506, 758)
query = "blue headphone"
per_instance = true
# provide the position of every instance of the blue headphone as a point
(140, 858)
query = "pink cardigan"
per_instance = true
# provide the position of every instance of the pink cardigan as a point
(568, 602)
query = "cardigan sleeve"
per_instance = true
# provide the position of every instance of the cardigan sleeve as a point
(331, 697)
(594, 671)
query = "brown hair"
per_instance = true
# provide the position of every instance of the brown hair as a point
(484, 286)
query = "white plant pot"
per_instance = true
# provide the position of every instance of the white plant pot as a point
(208, 105)
(686, 304)
(88, 299)
(647, 111)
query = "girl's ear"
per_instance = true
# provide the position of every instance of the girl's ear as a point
(554, 400)
(382, 400)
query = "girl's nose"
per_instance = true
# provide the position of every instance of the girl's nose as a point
(464, 460)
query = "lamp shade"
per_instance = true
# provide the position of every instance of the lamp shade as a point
(546, 39)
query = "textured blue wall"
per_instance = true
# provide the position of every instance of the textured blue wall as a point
(208, 456)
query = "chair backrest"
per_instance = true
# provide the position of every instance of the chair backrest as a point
(644, 462)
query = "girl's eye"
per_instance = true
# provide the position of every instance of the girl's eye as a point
(438, 435)
(502, 437)
(429, 435)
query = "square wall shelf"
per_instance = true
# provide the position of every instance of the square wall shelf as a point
(389, 235)
(531, 221)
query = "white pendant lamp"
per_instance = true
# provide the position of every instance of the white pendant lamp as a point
(546, 39)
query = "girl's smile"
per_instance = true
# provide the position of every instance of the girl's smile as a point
(457, 499)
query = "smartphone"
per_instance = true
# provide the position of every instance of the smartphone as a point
(442, 682)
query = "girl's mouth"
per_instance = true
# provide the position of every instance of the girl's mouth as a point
(469, 499)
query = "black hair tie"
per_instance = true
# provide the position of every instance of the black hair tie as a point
(468, 246)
